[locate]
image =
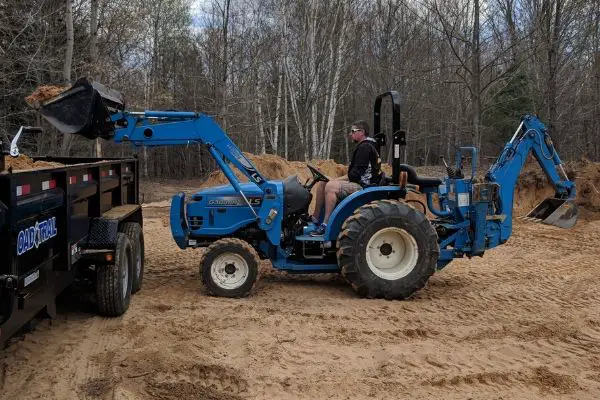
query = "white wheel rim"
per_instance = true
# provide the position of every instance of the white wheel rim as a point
(125, 275)
(229, 271)
(392, 253)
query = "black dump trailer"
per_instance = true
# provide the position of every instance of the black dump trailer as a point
(80, 222)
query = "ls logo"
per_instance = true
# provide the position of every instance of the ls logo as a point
(35, 235)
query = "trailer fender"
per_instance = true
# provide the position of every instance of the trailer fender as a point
(103, 233)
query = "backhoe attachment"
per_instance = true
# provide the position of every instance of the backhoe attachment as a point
(532, 136)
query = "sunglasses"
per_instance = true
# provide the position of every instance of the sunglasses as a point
(354, 131)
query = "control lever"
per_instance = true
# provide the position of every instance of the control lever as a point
(14, 149)
(452, 172)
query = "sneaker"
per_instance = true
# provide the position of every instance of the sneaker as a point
(320, 231)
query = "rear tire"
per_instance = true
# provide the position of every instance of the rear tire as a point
(134, 232)
(387, 249)
(113, 282)
(229, 268)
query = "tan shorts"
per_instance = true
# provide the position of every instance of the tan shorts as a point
(347, 188)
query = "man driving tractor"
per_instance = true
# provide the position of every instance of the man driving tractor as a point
(364, 171)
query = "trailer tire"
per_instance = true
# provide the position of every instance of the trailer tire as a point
(222, 260)
(113, 282)
(387, 249)
(135, 233)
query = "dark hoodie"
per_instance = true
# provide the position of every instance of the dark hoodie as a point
(365, 167)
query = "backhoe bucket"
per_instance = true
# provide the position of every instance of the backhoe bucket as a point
(553, 211)
(84, 109)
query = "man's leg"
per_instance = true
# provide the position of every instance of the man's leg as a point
(319, 199)
(332, 194)
(332, 191)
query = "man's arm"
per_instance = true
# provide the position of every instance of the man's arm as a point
(359, 164)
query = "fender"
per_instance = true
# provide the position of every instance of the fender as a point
(179, 227)
(357, 199)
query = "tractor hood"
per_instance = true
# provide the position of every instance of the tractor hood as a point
(249, 189)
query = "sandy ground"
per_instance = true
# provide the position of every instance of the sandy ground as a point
(522, 322)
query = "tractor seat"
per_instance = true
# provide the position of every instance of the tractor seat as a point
(421, 181)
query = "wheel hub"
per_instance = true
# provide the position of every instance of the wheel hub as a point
(386, 249)
(230, 269)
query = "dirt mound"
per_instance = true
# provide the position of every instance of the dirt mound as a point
(278, 168)
(23, 162)
(533, 186)
(44, 93)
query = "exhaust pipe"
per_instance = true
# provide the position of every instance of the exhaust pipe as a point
(555, 211)
(84, 109)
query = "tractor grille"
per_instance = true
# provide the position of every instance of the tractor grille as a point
(195, 222)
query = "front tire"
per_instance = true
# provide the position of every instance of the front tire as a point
(229, 268)
(387, 249)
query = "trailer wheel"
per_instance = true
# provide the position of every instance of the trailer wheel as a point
(134, 231)
(229, 268)
(387, 249)
(113, 282)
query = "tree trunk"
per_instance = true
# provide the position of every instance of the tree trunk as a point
(476, 79)
(553, 64)
(291, 89)
(224, 66)
(313, 77)
(333, 94)
(259, 115)
(93, 65)
(285, 114)
(67, 140)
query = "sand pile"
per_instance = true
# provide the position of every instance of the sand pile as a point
(23, 162)
(44, 93)
(278, 168)
(533, 186)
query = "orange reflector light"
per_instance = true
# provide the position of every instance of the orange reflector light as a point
(109, 257)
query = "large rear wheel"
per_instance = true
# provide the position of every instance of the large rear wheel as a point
(387, 249)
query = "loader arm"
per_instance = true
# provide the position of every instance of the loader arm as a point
(532, 137)
(167, 128)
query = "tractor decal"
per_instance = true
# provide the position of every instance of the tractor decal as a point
(234, 201)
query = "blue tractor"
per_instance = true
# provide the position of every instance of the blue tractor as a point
(382, 245)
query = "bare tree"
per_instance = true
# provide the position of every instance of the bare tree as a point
(67, 138)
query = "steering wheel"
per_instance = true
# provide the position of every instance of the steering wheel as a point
(318, 176)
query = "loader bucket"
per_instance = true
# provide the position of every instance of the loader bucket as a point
(84, 109)
(553, 211)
